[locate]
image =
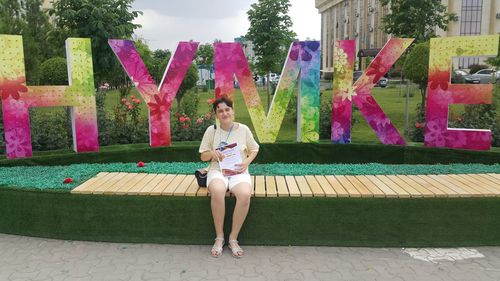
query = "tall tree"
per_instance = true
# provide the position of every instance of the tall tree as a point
(416, 68)
(188, 83)
(416, 19)
(160, 62)
(271, 34)
(205, 55)
(27, 18)
(98, 20)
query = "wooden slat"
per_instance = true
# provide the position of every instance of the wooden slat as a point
(176, 182)
(365, 192)
(316, 189)
(193, 188)
(497, 176)
(469, 190)
(353, 192)
(86, 187)
(451, 185)
(417, 186)
(158, 189)
(115, 177)
(490, 177)
(444, 188)
(428, 185)
(293, 189)
(388, 192)
(129, 184)
(150, 186)
(136, 189)
(325, 185)
(370, 186)
(260, 186)
(114, 184)
(494, 187)
(271, 187)
(281, 186)
(473, 186)
(305, 191)
(185, 184)
(202, 191)
(402, 193)
(487, 180)
(408, 188)
(337, 186)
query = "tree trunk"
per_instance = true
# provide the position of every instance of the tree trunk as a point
(423, 92)
(268, 91)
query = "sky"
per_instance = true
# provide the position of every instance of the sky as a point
(165, 23)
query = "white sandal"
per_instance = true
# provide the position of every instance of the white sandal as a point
(217, 250)
(236, 249)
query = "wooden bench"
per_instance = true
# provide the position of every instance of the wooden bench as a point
(384, 186)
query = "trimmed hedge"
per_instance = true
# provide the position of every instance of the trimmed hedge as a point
(321, 153)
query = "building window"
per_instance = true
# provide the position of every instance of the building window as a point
(470, 24)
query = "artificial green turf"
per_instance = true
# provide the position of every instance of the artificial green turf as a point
(375, 222)
(52, 177)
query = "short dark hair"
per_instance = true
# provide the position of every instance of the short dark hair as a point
(222, 99)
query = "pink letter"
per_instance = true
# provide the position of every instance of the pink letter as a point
(159, 100)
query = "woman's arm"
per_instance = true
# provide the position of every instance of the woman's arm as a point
(209, 155)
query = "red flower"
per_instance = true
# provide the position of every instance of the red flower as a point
(132, 97)
(187, 119)
(182, 119)
(130, 107)
(124, 100)
(210, 101)
(159, 106)
(377, 69)
(137, 101)
(13, 88)
(184, 126)
(199, 120)
(140, 164)
(68, 180)
(127, 103)
(418, 125)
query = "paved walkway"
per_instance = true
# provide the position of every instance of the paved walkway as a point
(25, 258)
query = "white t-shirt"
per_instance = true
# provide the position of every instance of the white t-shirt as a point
(240, 134)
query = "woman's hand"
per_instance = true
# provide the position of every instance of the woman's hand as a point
(217, 155)
(240, 168)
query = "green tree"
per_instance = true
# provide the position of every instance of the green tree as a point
(416, 19)
(187, 84)
(98, 20)
(271, 34)
(27, 18)
(416, 68)
(205, 55)
(160, 62)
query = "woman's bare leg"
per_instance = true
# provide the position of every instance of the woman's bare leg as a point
(217, 190)
(242, 192)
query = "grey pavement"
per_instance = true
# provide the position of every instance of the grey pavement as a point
(27, 258)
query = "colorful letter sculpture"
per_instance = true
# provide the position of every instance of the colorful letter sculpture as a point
(302, 65)
(159, 100)
(441, 93)
(17, 98)
(360, 93)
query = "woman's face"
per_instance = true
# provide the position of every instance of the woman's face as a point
(224, 113)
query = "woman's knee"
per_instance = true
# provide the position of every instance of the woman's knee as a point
(242, 192)
(217, 189)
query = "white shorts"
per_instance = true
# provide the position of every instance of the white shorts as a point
(229, 181)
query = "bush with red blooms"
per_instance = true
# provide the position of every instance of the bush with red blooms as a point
(191, 128)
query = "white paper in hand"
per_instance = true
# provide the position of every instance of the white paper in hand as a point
(232, 156)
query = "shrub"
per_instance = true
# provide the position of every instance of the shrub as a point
(49, 129)
(186, 128)
(128, 126)
(189, 103)
(54, 72)
(416, 132)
